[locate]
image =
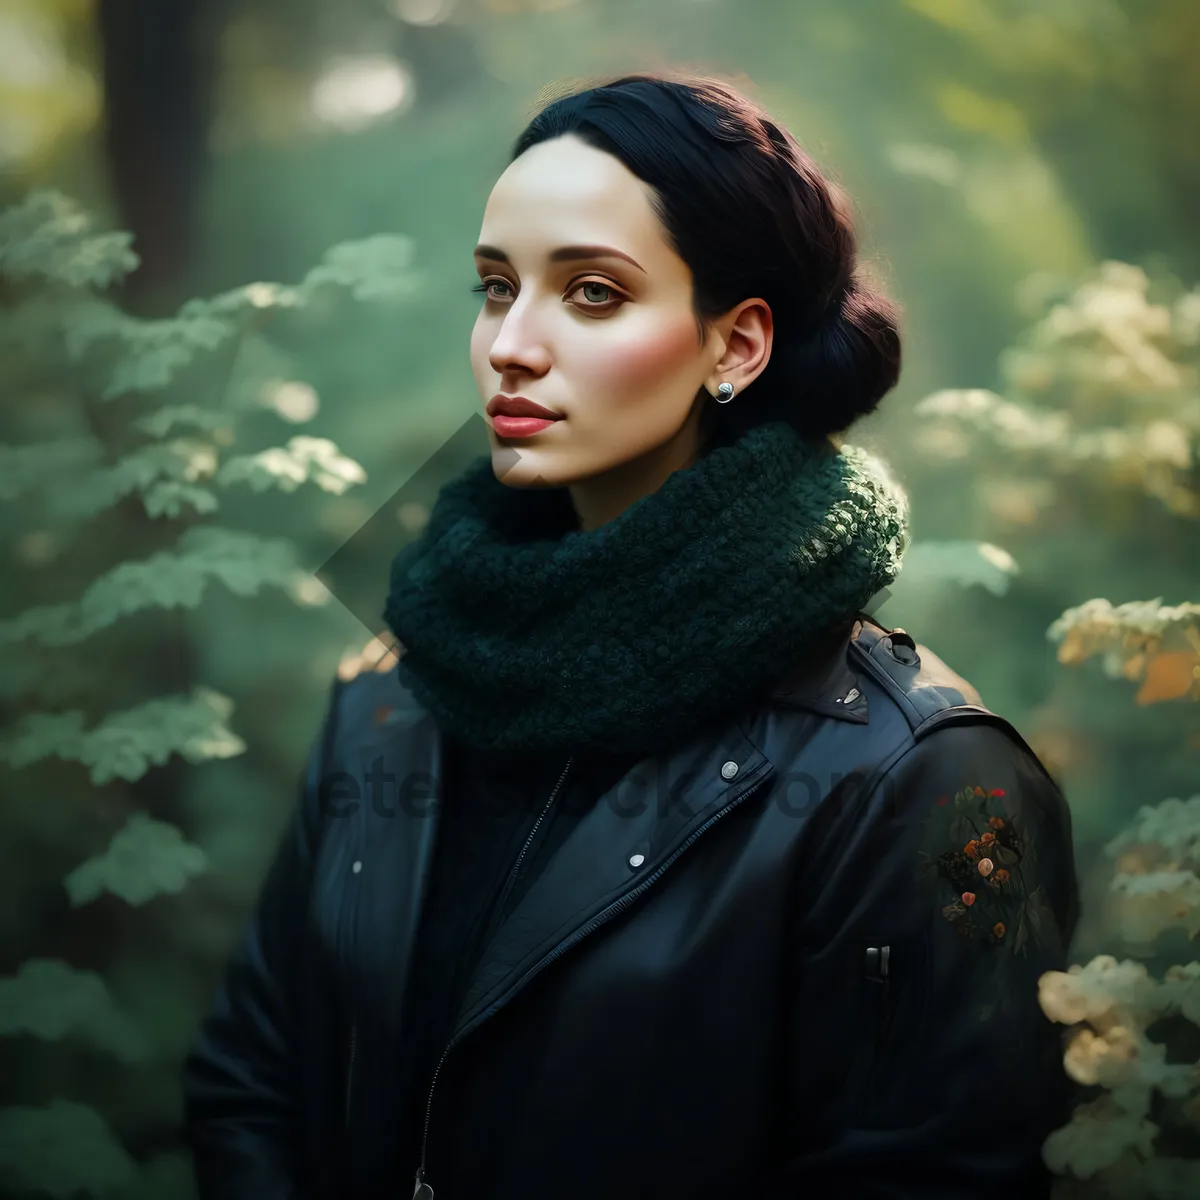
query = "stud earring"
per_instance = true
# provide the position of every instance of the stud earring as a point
(725, 393)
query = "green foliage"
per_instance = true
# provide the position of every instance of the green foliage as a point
(1101, 394)
(144, 860)
(126, 744)
(1156, 885)
(1103, 384)
(50, 238)
(187, 385)
(51, 1000)
(1110, 1141)
(61, 1150)
(243, 562)
(305, 459)
(960, 561)
(1101, 397)
(150, 469)
(1141, 639)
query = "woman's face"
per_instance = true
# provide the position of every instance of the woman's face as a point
(588, 313)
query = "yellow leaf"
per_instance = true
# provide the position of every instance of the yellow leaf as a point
(1169, 676)
(1132, 667)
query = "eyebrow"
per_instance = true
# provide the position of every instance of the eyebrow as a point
(562, 254)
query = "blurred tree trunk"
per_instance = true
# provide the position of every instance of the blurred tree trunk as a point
(158, 62)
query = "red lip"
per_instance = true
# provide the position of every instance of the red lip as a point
(518, 406)
(519, 427)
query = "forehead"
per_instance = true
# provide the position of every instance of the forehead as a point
(565, 190)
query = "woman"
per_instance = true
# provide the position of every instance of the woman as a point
(654, 867)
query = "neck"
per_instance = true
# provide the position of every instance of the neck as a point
(604, 497)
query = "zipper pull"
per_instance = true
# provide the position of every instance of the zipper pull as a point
(422, 1191)
(877, 963)
(878, 971)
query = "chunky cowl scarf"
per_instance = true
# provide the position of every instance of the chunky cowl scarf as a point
(521, 631)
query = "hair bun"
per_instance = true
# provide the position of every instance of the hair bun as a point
(837, 368)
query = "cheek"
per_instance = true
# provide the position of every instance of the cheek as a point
(646, 359)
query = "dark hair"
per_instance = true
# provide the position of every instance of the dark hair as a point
(751, 214)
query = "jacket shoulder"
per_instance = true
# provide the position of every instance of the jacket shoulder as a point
(929, 694)
(920, 685)
(368, 690)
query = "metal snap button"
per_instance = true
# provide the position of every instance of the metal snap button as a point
(636, 860)
(356, 867)
(729, 770)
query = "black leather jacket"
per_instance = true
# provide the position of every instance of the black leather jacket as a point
(749, 970)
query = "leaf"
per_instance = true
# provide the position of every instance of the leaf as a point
(145, 859)
(1169, 676)
(156, 351)
(63, 1150)
(126, 744)
(1123, 630)
(49, 236)
(1098, 1134)
(304, 459)
(51, 1000)
(169, 496)
(374, 268)
(1173, 823)
(963, 562)
(183, 459)
(160, 422)
(1155, 901)
(1005, 857)
(1181, 989)
(248, 298)
(242, 561)
(1011, 425)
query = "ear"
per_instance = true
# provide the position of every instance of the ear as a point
(748, 331)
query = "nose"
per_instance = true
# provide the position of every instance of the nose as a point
(519, 346)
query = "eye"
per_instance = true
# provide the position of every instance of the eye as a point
(486, 285)
(614, 299)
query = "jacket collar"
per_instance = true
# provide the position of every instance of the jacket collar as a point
(618, 848)
(824, 682)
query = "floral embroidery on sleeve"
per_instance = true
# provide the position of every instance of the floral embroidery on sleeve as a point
(986, 871)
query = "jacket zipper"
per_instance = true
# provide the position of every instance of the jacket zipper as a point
(350, 1069)
(422, 1190)
(515, 872)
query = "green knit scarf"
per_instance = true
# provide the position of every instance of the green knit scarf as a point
(523, 632)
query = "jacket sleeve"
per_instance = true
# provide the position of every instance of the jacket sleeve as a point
(941, 1078)
(241, 1077)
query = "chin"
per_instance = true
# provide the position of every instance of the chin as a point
(520, 469)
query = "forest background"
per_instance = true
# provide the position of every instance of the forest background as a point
(281, 340)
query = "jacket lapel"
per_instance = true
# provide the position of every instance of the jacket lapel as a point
(617, 850)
